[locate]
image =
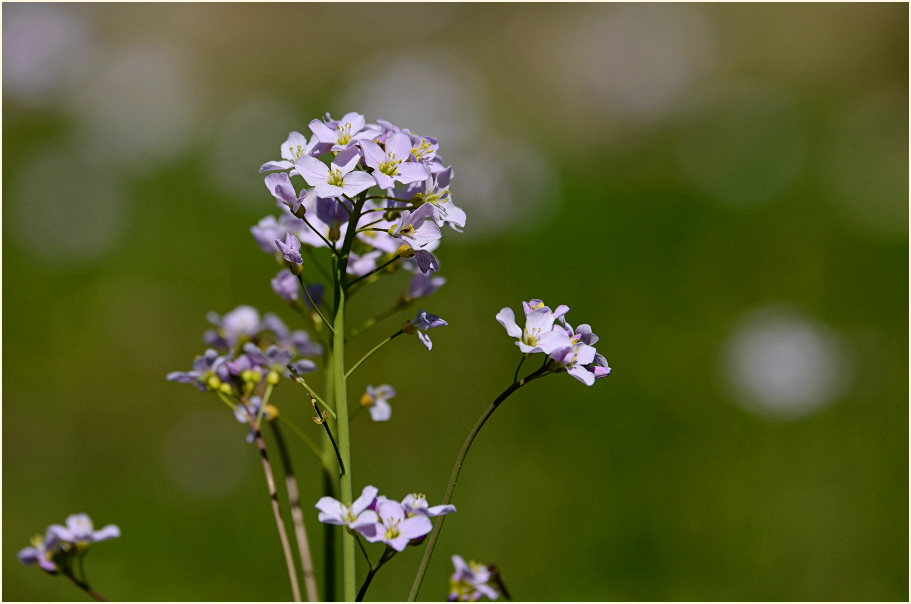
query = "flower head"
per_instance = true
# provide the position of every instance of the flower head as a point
(395, 528)
(377, 401)
(355, 516)
(415, 504)
(391, 165)
(286, 286)
(79, 529)
(469, 581)
(538, 335)
(41, 552)
(343, 133)
(294, 148)
(422, 323)
(338, 178)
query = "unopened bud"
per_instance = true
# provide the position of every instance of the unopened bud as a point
(226, 388)
(273, 378)
(297, 269)
(213, 382)
(366, 400)
(334, 233)
(405, 251)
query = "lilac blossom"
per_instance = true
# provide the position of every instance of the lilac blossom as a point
(79, 529)
(280, 186)
(357, 516)
(276, 361)
(391, 165)
(418, 230)
(41, 551)
(344, 132)
(415, 504)
(294, 148)
(286, 286)
(242, 322)
(424, 148)
(209, 371)
(539, 334)
(377, 401)
(290, 249)
(422, 323)
(435, 191)
(337, 179)
(395, 528)
(302, 343)
(360, 265)
(579, 358)
(469, 581)
(266, 231)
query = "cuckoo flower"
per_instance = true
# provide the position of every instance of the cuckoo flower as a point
(79, 529)
(281, 188)
(290, 249)
(580, 358)
(435, 191)
(538, 335)
(469, 581)
(292, 150)
(285, 285)
(377, 401)
(344, 132)
(415, 504)
(418, 230)
(41, 552)
(210, 371)
(337, 179)
(356, 516)
(422, 323)
(424, 148)
(395, 528)
(391, 165)
(266, 231)
(423, 285)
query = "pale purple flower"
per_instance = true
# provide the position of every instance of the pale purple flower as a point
(266, 231)
(417, 228)
(435, 191)
(415, 504)
(356, 516)
(79, 529)
(292, 150)
(536, 304)
(337, 179)
(422, 323)
(377, 401)
(279, 184)
(391, 165)
(290, 249)
(242, 322)
(286, 286)
(423, 285)
(351, 128)
(424, 148)
(539, 334)
(469, 581)
(360, 265)
(580, 358)
(395, 528)
(209, 372)
(301, 341)
(41, 552)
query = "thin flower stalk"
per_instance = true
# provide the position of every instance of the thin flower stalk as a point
(372, 350)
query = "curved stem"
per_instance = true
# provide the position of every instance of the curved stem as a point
(313, 394)
(374, 271)
(320, 235)
(297, 517)
(372, 350)
(457, 468)
(387, 555)
(300, 279)
(276, 510)
(85, 587)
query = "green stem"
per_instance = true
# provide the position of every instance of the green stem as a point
(457, 468)
(313, 394)
(85, 587)
(374, 271)
(330, 475)
(297, 516)
(320, 235)
(377, 318)
(372, 350)
(386, 557)
(300, 279)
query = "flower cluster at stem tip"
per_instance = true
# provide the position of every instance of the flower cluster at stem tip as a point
(470, 581)
(54, 551)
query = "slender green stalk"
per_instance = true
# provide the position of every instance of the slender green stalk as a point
(377, 318)
(297, 516)
(457, 468)
(372, 350)
(276, 509)
(324, 422)
(300, 279)
(330, 489)
(84, 586)
(374, 271)
(320, 235)
(313, 394)
(386, 557)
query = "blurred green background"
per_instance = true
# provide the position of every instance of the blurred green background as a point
(719, 190)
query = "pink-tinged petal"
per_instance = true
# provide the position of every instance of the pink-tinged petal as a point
(507, 318)
(330, 510)
(415, 527)
(390, 512)
(324, 133)
(439, 510)
(347, 160)
(409, 172)
(383, 181)
(47, 566)
(399, 145)
(313, 170)
(275, 165)
(373, 154)
(368, 496)
(365, 518)
(582, 374)
(110, 531)
(294, 146)
(356, 120)
(356, 182)
(328, 191)
(372, 532)
(561, 310)
(585, 354)
(549, 342)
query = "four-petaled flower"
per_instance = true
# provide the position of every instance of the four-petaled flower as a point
(422, 323)
(292, 150)
(392, 164)
(79, 529)
(355, 516)
(377, 401)
(337, 179)
(395, 528)
(344, 132)
(415, 504)
(41, 552)
(538, 335)
(469, 581)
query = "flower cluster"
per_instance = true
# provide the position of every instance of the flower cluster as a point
(409, 197)
(547, 331)
(247, 350)
(53, 550)
(378, 519)
(469, 581)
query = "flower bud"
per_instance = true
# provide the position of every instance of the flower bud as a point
(271, 412)
(273, 378)
(213, 382)
(366, 400)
